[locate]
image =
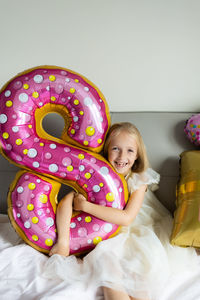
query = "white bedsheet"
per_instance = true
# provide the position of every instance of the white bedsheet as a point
(22, 269)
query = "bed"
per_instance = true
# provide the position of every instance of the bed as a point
(22, 267)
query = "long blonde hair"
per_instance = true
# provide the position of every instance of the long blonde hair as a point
(141, 163)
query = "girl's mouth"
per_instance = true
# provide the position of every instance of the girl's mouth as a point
(121, 164)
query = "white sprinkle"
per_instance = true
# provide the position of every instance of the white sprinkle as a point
(15, 128)
(81, 168)
(27, 225)
(7, 93)
(38, 78)
(73, 225)
(52, 146)
(108, 227)
(39, 212)
(20, 189)
(36, 164)
(115, 205)
(53, 168)
(88, 101)
(23, 98)
(3, 118)
(75, 119)
(32, 152)
(49, 222)
(104, 171)
(96, 188)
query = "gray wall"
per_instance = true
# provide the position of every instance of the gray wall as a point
(164, 138)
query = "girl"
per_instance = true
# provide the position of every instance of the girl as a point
(138, 261)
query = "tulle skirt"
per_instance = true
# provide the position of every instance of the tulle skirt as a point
(138, 261)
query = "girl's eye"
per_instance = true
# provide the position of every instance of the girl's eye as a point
(131, 150)
(115, 148)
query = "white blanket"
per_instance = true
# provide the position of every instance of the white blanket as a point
(22, 275)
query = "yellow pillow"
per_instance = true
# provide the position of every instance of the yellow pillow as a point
(186, 229)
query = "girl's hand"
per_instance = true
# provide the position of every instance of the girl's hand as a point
(79, 201)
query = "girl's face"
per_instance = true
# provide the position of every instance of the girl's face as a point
(122, 152)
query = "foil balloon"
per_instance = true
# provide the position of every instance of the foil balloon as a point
(48, 161)
(187, 215)
(192, 129)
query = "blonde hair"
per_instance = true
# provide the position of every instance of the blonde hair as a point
(141, 163)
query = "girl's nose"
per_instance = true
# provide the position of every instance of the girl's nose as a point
(122, 154)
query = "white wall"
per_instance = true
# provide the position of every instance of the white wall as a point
(144, 55)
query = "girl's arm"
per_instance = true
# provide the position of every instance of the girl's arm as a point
(110, 214)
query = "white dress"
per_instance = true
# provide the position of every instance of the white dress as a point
(139, 260)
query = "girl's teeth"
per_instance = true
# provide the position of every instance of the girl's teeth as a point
(121, 164)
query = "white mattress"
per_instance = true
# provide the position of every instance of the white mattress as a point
(22, 275)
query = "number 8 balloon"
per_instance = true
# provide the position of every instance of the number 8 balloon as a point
(48, 161)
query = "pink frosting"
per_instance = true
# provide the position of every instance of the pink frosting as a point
(31, 196)
(192, 129)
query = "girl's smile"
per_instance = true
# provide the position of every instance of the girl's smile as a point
(122, 152)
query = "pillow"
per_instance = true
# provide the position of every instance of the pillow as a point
(186, 228)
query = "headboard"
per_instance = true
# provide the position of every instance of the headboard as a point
(164, 139)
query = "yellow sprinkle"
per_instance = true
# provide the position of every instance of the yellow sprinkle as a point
(72, 90)
(30, 126)
(76, 80)
(81, 156)
(81, 112)
(52, 78)
(35, 220)
(85, 186)
(90, 131)
(35, 238)
(35, 95)
(99, 141)
(25, 151)
(101, 184)
(31, 186)
(5, 135)
(88, 175)
(96, 240)
(49, 242)
(30, 206)
(85, 143)
(41, 144)
(76, 102)
(26, 86)
(9, 103)
(43, 198)
(70, 168)
(18, 142)
(53, 98)
(110, 197)
(73, 131)
(88, 219)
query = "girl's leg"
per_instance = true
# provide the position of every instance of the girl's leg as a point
(110, 294)
(138, 298)
(63, 218)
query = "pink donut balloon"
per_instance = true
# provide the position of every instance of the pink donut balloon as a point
(192, 129)
(48, 161)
